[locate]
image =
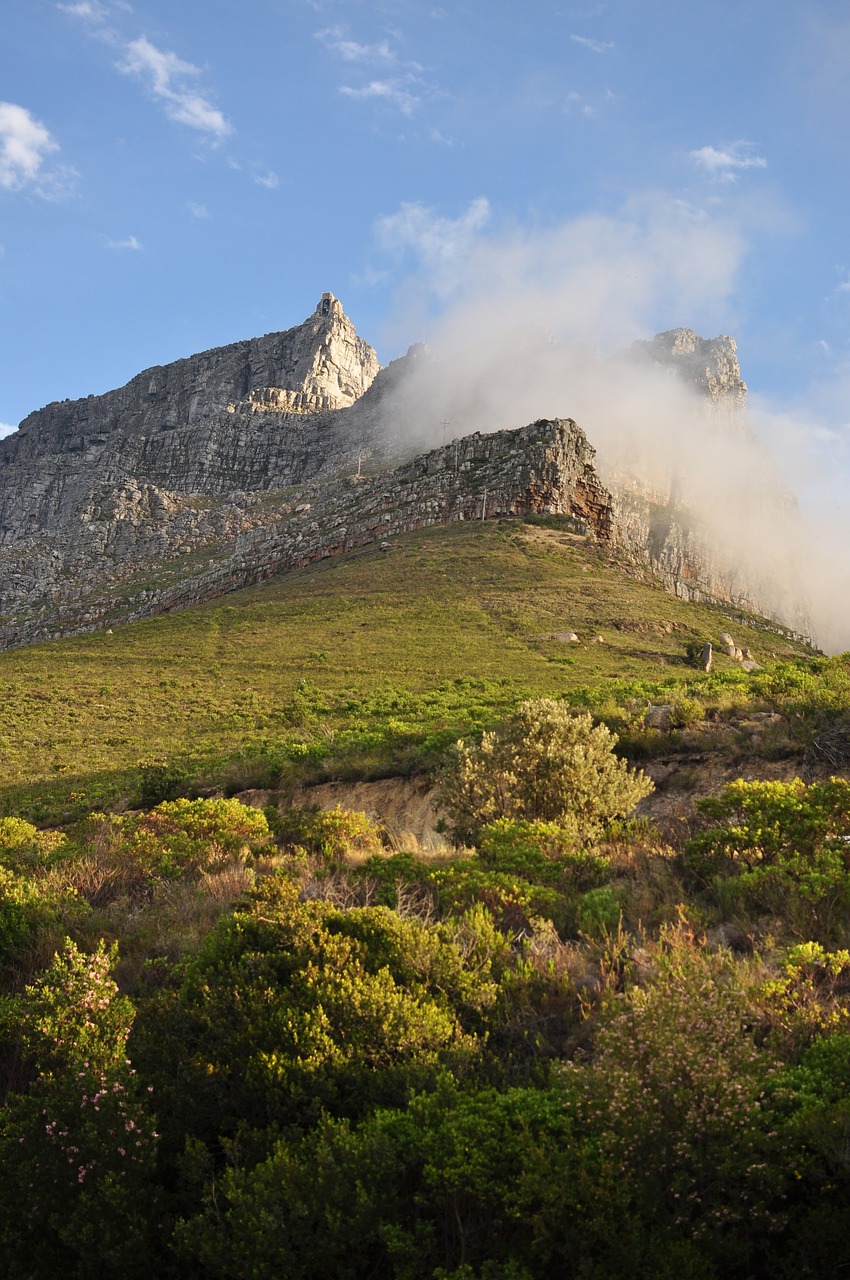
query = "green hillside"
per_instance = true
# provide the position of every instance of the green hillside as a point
(354, 662)
(578, 1041)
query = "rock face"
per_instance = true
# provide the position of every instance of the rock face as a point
(320, 365)
(225, 468)
(708, 364)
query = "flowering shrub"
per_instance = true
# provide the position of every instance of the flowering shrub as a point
(77, 1147)
(683, 1102)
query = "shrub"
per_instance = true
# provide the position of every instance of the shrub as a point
(598, 911)
(785, 846)
(544, 763)
(541, 852)
(330, 834)
(181, 837)
(77, 1148)
(161, 780)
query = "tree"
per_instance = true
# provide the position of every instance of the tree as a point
(544, 763)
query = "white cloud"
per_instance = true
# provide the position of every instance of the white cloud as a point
(89, 10)
(6, 429)
(351, 50)
(595, 46)
(24, 144)
(844, 287)
(129, 242)
(723, 162)
(393, 91)
(167, 78)
(438, 243)
(269, 179)
(197, 210)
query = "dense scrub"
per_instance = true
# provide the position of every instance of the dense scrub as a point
(261, 1043)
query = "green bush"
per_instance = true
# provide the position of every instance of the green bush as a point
(782, 847)
(540, 852)
(330, 834)
(161, 780)
(544, 763)
(183, 837)
(598, 912)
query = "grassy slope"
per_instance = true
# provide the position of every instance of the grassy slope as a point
(443, 605)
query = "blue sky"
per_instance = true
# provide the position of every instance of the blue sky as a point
(174, 176)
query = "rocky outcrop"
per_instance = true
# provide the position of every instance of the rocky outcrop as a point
(222, 469)
(708, 364)
(140, 550)
(320, 365)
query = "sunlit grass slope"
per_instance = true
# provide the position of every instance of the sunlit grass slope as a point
(447, 628)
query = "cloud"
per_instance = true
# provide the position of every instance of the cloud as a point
(88, 10)
(6, 429)
(395, 90)
(24, 145)
(723, 162)
(595, 46)
(403, 90)
(438, 244)
(351, 50)
(129, 242)
(537, 323)
(269, 179)
(199, 211)
(167, 78)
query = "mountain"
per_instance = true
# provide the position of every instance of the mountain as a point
(227, 467)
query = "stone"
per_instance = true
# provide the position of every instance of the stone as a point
(659, 716)
(728, 937)
(242, 458)
(706, 657)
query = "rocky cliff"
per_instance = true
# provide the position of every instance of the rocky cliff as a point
(709, 364)
(229, 466)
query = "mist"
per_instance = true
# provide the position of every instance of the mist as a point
(525, 325)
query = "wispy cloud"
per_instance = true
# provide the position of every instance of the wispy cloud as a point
(268, 179)
(595, 46)
(128, 242)
(397, 91)
(351, 50)
(576, 102)
(199, 211)
(25, 143)
(726, 161)
(168, 79)
(401, 86)
(6, 429)
(438, 243)
(88, 10)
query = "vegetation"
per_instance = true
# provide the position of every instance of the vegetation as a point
(335, 669)
(582, 1042)
(545, 764)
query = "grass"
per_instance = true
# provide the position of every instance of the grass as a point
(447, 630)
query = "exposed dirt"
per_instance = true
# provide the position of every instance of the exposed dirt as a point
(405, 807)
(700, 761)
